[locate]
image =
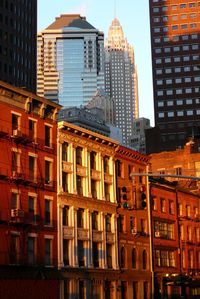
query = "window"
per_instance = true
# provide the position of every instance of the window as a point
(161, 114)
(15, 162)
(48, 135)
(79, 185)
(95, 220)
(14, 250)
(134, 258)
(171, 207)
(163, 205)
(121, 223)
(31, 251)
(65, 181)
(106, 164)
(144, 260)
(48, 252)
(109, 255)
(95, 254)
(32, 129)
(93, 160)
(178, 170)
(48, 211)
(66, 252)
(122, 257)
(32, 168)
(188, 214)
(107, 191)
(80, 218)
(15, 123)
(32, 208)
(65, 215)
(64, 151)
(180, 209)
(14, 204)
(79, 152)
(48, 172)
(94, 188)
(108, 223)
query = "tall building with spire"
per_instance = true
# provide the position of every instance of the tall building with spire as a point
(70, 65)
(121, 79)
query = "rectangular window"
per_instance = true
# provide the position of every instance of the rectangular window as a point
(14, 200)
(163, 205)
(48, 172)
(95, 220)
(32, 168)
(48, 252)
(48, 206)
(14, 250)
(31, 250)
(66, 252)
(79, 185)
(95, 254)
(94, 188)
(81, 261)
(31, 208)
(32, 129)
(48, 136)
(79, 152)
(109, 255)
(108, 223)
(64, 151)
(15, 124)
(80, 218)
(66, 216)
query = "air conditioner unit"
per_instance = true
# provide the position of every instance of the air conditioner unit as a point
(17, 133)
(134, 231)
(157, 234)
(17, 213)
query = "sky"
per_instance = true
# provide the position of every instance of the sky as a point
(134, 19)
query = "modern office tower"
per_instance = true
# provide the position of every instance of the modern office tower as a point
(175, 41)
(121, 79)
(70, 61)
(18, 36)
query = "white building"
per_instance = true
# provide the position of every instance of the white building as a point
(87, 221)
(121, 79)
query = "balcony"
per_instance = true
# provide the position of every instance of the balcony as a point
(108, 178)
(67, 166)
(97, 236)
(81, 170)
(83, 234)
(95, 175)
(68, 232)
(110, 237)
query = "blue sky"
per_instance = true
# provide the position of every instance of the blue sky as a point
(134, 18)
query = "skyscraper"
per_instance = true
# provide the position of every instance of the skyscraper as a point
(70, 61)
(175, 42)
(121, 79)
(18, 36)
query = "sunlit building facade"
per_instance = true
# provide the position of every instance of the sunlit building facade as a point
(70, 61)
(121, 79)
(87, 220)
(175, 39)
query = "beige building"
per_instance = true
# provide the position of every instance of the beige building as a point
(87, 222)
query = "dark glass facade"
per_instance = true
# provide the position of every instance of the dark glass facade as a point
(175, 42)
(18, 32)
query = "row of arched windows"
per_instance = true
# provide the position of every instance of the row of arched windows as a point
(134, 258)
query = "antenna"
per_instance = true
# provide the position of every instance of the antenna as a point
(115, 8)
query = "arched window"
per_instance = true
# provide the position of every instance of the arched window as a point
(123, 257)
(144, 259)
(134, 258)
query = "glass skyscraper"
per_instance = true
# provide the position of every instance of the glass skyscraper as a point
(70, 61)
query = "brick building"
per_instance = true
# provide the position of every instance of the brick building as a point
(28, 207)
(133, 225)
(175, 240)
